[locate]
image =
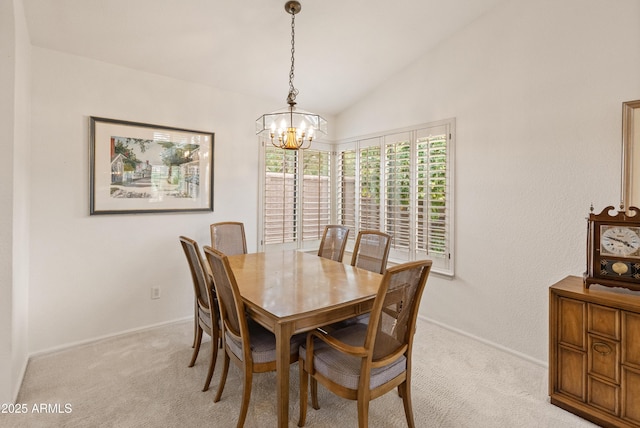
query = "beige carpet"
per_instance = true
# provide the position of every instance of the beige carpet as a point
(142, 380)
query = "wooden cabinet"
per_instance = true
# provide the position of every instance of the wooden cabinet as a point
(594, 352)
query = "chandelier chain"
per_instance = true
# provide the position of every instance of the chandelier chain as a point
(293, 92)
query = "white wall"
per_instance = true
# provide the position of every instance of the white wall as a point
(7, 112)
(14, 210)
(21, 207)
(91, 275)
(536, 89)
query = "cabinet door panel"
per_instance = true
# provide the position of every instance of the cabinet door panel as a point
(603, 395)
(631, 339)
(571, 326)
(604, 321)
(572, 369)
(631, 395)
(604, 358)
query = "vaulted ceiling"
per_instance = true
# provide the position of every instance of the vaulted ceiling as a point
(344, 48)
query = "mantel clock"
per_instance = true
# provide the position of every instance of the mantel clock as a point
(613, 248)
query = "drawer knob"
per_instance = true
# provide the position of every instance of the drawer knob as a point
(602, 348)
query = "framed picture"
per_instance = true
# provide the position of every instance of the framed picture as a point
(141, 168)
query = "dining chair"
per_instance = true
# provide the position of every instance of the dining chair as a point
(250, 346)
(364, 361)
(371, 250)
(228, 237)
(334, 241)
(207, 305)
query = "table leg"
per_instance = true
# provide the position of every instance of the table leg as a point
(283, 346)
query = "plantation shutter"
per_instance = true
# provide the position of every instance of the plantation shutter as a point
(398, 191)
(280, 196)
(400, 182)
(432, 211)
(369, 215)
(316, 206)
(347, 190)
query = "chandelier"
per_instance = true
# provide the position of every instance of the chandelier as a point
(290, 128)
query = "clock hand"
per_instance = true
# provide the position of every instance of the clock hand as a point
(620, 240)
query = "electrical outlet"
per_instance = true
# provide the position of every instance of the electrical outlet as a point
(155, 292)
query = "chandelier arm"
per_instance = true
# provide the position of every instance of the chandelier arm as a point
(307, 146)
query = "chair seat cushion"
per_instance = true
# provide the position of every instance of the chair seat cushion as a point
(205, 317)
(345, 369)
(263, 343)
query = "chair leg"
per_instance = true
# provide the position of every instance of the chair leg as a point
(223, 378)
(406, 401)
(363, 413)
(304, 382)
(246, 396)
(196, 347)
(212, 361)
(314, 393)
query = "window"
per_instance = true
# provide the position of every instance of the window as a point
(369, 174)
(316, 211)
(347, 189)
(280, 196)
(399, 182)
(432, 228)
(296, 196)
(398, 193)
(405, 182)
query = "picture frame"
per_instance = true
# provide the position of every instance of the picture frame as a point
(142, 168)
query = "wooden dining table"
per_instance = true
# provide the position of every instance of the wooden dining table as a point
(291, 292)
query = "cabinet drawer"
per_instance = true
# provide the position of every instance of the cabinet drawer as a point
(604, 321)
(603, 395)
(604, 358)
(631, 339)
(571, 322)
(572, 369)
(630, 395)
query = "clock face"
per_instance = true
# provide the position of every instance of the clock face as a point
(622, 241)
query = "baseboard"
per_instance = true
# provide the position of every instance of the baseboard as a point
(513, 352)
(106, 336)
